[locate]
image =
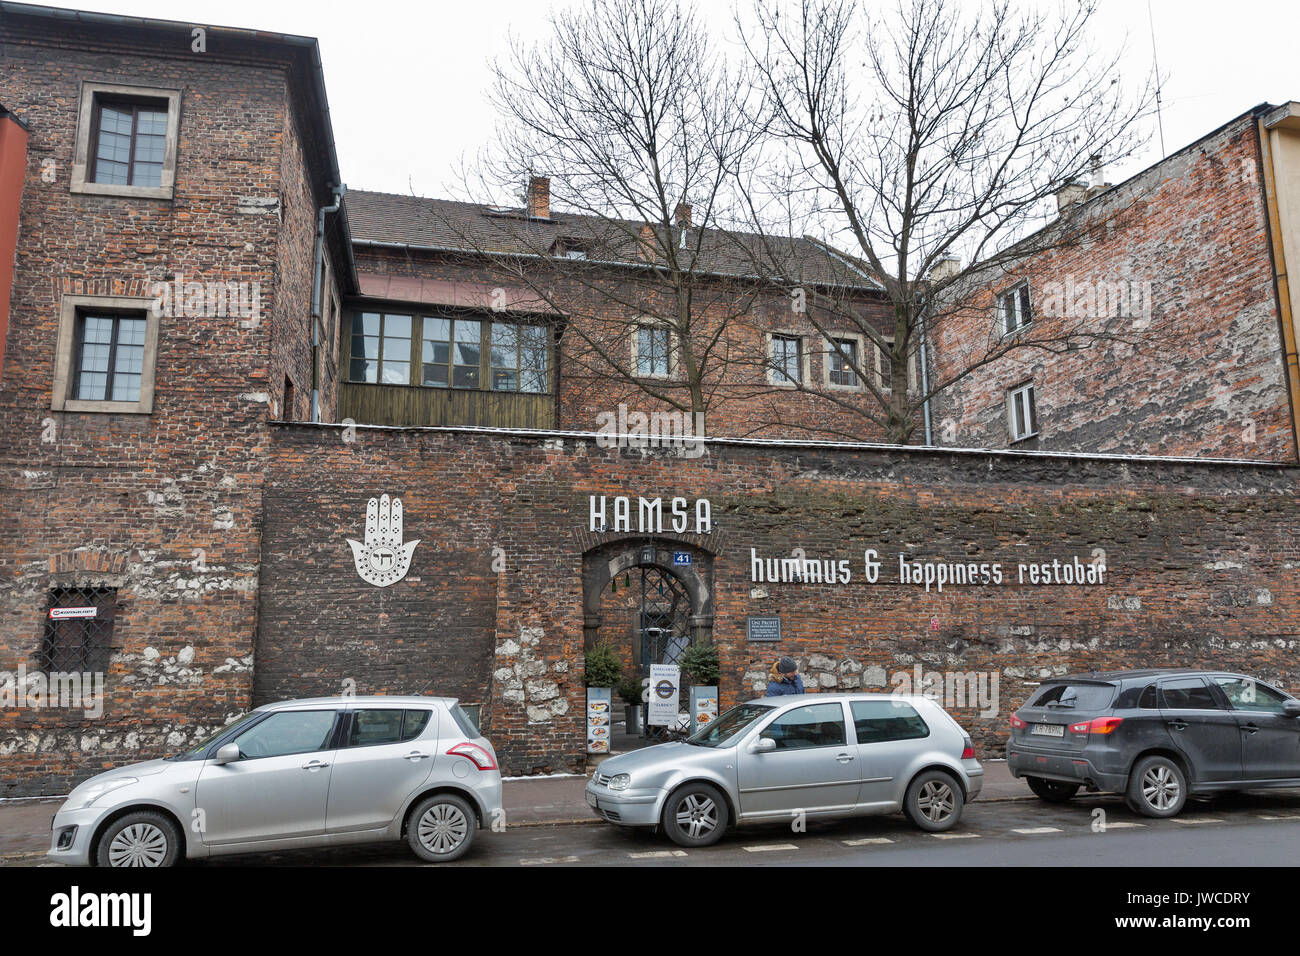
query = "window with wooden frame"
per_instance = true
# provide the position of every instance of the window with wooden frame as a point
(107, 349)
(1022, 415)
(1014, 308)
(785, 355)
(652, 348)
(127, 140)
(885, 367)
(447, 350)
(842, 359)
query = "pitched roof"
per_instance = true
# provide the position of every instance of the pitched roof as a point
(473, 227)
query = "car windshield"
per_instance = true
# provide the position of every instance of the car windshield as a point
(728, 725)
(198, 750)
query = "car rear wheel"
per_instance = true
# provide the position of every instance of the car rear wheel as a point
(1053, 791)
(139, 839)
(695, 815)
(442, 828)
(934, 801)
(1157, 787)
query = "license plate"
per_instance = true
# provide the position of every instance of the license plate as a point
(591, 799)
(1048, 730)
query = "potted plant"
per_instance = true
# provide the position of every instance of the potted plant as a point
(630, 690)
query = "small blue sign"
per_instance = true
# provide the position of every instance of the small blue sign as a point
(681, 557)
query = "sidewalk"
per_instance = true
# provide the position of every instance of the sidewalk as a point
(529, 802)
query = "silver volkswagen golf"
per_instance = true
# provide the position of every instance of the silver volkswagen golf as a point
(303, 773)
(827, 755)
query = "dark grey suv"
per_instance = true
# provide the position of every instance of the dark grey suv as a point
(1155, 736)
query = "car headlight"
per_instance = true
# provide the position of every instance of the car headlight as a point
(620, 781)
(97, 790)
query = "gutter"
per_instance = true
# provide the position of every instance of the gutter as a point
(317, 261)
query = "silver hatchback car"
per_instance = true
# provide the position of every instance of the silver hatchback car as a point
(303, 773)
(827, 755)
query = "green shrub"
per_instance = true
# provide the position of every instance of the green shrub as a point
(629, 688)
(602, 667)
(700, 661)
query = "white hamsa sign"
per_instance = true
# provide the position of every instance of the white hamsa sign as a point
(382, 559)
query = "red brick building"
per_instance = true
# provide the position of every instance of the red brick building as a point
(215, 357)
(1180, 274)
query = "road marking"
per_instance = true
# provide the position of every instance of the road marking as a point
(1194, 821)
(545, 860)
(953, 836)
(1030, 831)
(1288, 816)
(657, 854)
(1123, 825)
(770, 846)
(867, 841)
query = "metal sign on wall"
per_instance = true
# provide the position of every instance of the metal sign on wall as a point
(382, 558)
(763, 628)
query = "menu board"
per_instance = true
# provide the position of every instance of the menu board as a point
(599, 714)
(704, 707)
(665, 679)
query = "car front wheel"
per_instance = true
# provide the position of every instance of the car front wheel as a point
(1053, 791)
(139, 839)
(695, 815)
(442, 828)
(933, 802)
(1157, 787)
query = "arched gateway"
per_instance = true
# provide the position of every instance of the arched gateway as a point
(668, 581)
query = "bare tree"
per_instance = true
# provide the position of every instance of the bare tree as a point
(924, 135)
(641, 131)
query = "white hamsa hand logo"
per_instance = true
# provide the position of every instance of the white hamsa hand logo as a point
(383, 559)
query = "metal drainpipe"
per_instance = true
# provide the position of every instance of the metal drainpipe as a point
(925, 377)
(339, 192)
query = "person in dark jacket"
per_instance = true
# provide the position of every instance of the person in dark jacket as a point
(784, 678)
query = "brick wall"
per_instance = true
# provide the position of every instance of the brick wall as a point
(1193, 361)
(1201, 568)
(165, 507)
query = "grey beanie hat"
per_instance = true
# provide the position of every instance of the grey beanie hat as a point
(787, 665)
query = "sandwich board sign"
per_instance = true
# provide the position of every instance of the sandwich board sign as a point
(665, 681)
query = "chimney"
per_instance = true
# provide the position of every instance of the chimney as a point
(1069, 195)
(1098, 184)
(945, 269)
(682, 215)
(539, 197)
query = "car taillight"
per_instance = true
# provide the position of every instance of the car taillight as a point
(1017, 723)
(1101, 725)
(474, 754)
(968, 753)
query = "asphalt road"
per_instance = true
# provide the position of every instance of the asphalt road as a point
(1259, 829)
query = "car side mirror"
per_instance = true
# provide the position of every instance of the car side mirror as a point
(228, 754)
(1291, 708)
(762, 745)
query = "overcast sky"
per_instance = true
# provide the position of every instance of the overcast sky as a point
(407, 81)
